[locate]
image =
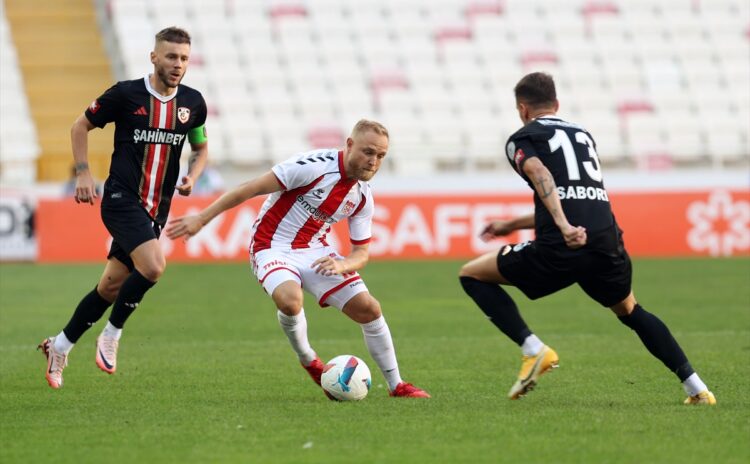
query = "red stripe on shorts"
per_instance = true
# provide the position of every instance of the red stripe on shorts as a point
(335, 289)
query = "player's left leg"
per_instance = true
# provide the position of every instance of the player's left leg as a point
(659, 341)
(148, 266)
(365, 310)
(609, 282)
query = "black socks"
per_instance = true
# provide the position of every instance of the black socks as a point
(89, 310)
(498, 306)
(659, 341)
(131, 294)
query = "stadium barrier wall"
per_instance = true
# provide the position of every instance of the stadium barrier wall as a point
(710, 222)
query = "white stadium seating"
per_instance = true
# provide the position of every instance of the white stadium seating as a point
(660, 83)
(18, 140)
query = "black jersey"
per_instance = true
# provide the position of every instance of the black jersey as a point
(150, 130)
(569, 153)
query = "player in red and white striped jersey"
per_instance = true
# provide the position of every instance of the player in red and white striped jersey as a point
(307, 195)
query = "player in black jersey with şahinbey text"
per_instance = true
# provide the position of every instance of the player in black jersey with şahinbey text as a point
(153, 117)
(577, 242)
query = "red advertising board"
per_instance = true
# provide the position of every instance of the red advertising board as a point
(690, 223)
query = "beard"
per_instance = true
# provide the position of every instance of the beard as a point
(164, 77)
(365, 175)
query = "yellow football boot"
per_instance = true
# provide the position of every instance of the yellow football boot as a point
(531, 369)
(704, 397)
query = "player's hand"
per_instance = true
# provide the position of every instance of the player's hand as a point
(186, 188)
(575, 237)
(184, 226)
(85, 188)
(328, 266)
(496, 229)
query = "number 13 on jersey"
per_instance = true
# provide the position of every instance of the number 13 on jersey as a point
(592, 168)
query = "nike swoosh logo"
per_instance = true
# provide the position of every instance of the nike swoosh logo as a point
(104, 360)
(536, 364)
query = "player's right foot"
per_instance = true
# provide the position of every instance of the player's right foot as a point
(704, 397)
(531, 369)
(56, 362)
(106, 353)
(315, 369)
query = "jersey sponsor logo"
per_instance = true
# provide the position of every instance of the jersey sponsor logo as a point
(518, 157)
(315, 213)
(157, 136)
(183, 114)
(141, 111)
(318, 193)
(94, 107)
(579, 192)
(348, 207)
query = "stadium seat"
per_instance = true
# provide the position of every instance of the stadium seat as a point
(323, 62)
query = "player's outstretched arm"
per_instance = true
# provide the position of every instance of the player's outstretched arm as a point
(192, 224)
(356, 260)
(79, 139)
(544, 184)
(505, 227)
(196, 164)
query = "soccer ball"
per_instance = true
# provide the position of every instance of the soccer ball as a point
(346, 378)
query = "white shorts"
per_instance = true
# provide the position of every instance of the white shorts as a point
(274, 267)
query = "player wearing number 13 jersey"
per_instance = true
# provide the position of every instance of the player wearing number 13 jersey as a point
(577, 242)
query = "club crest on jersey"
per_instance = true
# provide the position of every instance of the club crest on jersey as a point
(348, 207)
(94, 106)
(183, 114)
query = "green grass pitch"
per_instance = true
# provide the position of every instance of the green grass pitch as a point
(205, 374)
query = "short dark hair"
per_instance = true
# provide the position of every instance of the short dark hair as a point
(536, 90)
(173, 34)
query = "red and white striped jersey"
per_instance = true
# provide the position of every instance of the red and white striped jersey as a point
(316, 195)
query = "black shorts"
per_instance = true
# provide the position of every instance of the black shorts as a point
(128, 223)
(602, 268)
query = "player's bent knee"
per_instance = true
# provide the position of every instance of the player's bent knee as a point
(625, 307)
(363, 308)
(467, 270)
(288, 298)
(109, 290)
(153, 272)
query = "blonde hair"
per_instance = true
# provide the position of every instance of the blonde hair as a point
(364, 125)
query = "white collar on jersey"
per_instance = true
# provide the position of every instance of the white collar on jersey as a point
(551, 115)
(156, 94)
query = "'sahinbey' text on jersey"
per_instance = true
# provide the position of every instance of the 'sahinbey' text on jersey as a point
(150, 130)
(316, 195)
(568, 151)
